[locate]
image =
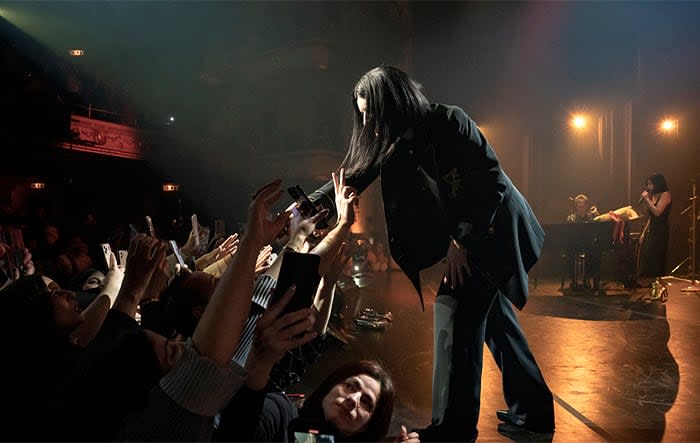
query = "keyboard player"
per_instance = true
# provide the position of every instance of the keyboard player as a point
(582, 213)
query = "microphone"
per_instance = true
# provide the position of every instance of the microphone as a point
(641, 199)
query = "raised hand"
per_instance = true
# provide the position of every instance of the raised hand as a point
(113, 279)
(300, 228)
(262, 227)
(275, 335)
(261, 263)
(159, 280)
(145, 255)
(228, 247)
(345, 199)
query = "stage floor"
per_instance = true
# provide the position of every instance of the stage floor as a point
(620, 368)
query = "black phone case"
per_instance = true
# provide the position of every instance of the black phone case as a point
(306, 207)
(302, 271)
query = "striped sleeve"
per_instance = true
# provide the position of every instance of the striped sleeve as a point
(200, 386)
(262, 292)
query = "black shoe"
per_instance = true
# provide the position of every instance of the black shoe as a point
(520, 434)
(518, 422)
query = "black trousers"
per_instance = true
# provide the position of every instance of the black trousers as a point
(484, 315)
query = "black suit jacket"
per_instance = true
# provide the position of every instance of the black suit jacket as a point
(446, 182)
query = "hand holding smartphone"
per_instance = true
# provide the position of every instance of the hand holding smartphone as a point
(304, 204)
(176, 251)
(122, 258)
(107, 252)
(300, 270)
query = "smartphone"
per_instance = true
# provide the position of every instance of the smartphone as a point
(306, 207)
(176, 251)
(195, 229)
(151, 229)
(107, 252)
(122, 258)
(300, 270)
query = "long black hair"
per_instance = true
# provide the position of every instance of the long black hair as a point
(659, 182)
(395, 103)
(378, 425)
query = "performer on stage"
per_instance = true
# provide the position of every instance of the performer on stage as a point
(447, 198)
(582, 212)
(653, 243)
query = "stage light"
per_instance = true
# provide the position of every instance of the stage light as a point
(579, 121)
(668, 125)
(170, 187)
(76, 52)
(37, 185)
(172, 119)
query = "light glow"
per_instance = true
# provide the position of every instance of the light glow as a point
(668, 125)
(579, 121)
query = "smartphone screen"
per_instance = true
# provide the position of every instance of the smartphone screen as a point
(151, 229)
(176, 251)
(300, 270)
(306, 207)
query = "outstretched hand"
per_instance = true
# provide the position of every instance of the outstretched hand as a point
(262, 262)
(263, 227)
(300, 227)
(145, 254)
(228, 247)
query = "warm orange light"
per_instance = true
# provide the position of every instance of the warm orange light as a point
(170, 187)
(37, 185)
(578, 121)
(76, 52)
(668, 125)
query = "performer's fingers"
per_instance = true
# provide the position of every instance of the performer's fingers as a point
(341, 178)
(335, 182)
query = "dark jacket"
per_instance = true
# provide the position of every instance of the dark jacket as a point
(447, 182)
